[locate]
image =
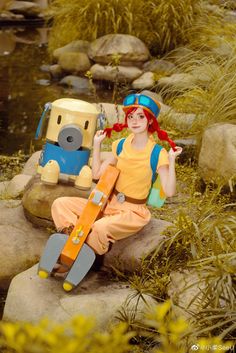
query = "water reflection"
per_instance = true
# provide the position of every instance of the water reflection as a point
(10, 37)
(23, 91)
(22, 51)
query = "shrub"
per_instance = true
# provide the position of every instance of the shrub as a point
(161, 24)
(212, 93)
(76, 336)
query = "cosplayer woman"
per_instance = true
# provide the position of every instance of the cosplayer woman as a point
(126, 212)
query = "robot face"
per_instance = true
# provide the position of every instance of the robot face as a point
(70, 137)
(72, 124)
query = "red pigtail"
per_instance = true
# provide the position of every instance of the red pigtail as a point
(153, 127)
(116, 127)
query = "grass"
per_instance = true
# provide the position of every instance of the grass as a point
(11, 165)
(161, 24)
(211, 95)
(201, 240)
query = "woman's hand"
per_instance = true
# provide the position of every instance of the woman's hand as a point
(173, 154)
(99, 137)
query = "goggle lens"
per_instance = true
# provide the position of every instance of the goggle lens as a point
(142, 100)
(129, 100)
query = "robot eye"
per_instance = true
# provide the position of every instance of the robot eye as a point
(86, 124)
(59, 119)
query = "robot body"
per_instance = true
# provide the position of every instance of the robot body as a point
(69, 138)
(70, 162)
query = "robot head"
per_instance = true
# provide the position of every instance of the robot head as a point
(72, 123)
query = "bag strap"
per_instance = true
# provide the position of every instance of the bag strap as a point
(154, 160)
(120, 146)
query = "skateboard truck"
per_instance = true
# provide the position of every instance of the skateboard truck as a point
(72, 251)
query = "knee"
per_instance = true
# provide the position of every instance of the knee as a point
(57, 205)
(99, 240)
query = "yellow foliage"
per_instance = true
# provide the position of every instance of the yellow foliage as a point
(160, 24)
(173, 334)
(76, 336)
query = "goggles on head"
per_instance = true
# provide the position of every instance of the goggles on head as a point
(136, 100)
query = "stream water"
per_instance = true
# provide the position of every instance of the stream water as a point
(25, 87)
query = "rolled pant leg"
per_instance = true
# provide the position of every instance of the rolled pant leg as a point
(116, 224)
(65, 211)
(114, 227)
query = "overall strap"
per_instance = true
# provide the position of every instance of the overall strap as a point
(154, 160)
(120, 146)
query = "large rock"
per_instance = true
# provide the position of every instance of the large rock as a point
(159, 66)
(130, 49)
(76, 46)
(112, 73)
(38, 198)
(126, 254)
(16, 186)
(181, 121)
(185, 289)
(26, 8)
(217, 157)
(177, 81)
(74, 62)
(206, 73)
(30, 167)
(146, 80)
(31, 299)
(21, 243)
(78, 84)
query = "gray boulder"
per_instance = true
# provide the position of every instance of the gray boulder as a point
(26, 8)
(76, 46)
(185, 289)
(119, 73)
(146, 80)
(159, 66)
(30, 167)
(21, 243)
(78, 84)
(177, 82)
(127, 254)
(38, 198)
(16, 186)
(31, 299)
(74, 62)
(130, 49)
(217, 157)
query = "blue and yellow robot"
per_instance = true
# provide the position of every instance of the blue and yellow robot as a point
(69, 138)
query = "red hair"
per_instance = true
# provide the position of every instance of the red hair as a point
(152, 127)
